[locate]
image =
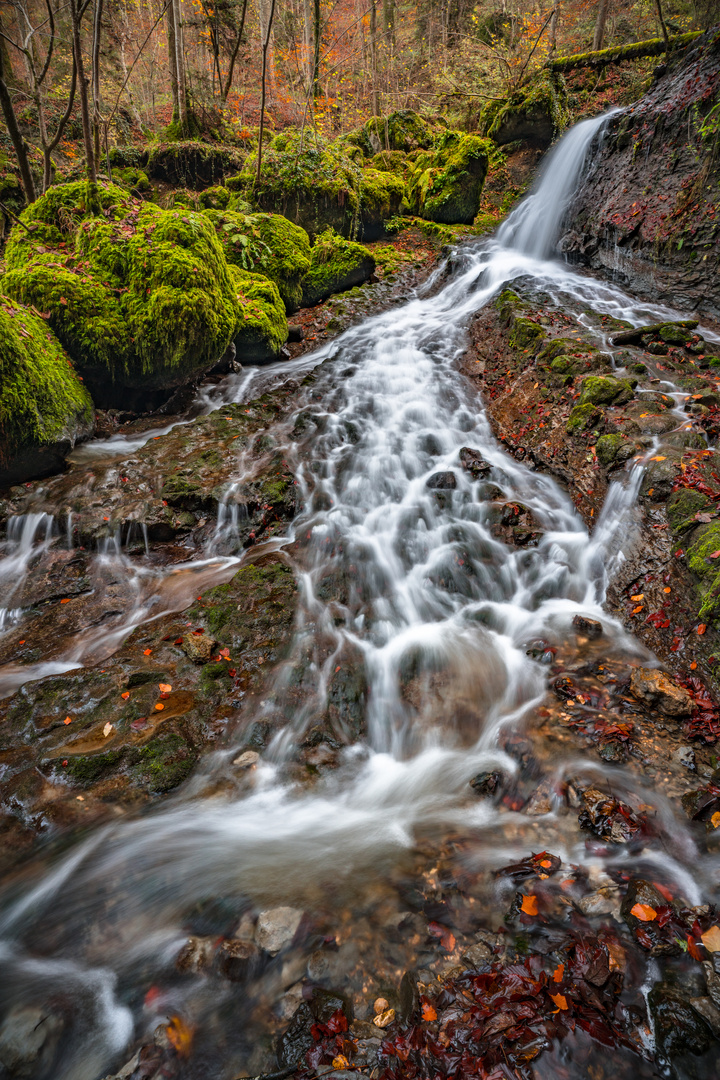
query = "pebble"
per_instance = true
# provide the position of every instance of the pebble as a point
(28, 1038)
(244, 761)
(276, 928)
(384, 1019)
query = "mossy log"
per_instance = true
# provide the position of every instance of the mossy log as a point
(637, 50)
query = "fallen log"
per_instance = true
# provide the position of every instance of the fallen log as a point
(632, 337)
(637, 50)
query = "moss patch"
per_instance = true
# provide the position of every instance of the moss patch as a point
(605, 390)
(706, 571)
(446, 183)
(336, 264)
(261, 329)
(581, 418)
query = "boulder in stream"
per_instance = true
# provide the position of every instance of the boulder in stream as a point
(655, 688)
(336, 264)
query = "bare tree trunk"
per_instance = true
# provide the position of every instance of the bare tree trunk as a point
(181, 72)
(97, 26)
(554, 26)
(663, 27)
(19, 145)
(373, 59)
(172, 61)
(76, 15)
(316, 50)
(307, 41)
(602, 14)
(236, 49)
(266, 43)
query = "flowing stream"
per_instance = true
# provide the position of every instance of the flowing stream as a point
(419, 583)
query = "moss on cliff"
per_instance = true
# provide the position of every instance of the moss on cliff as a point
(42, 401)
(336, 264)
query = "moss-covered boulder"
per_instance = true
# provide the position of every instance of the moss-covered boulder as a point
(704, 567)
(317, 185)
(262, 328)
(446, 183)
(194, 165)
(44, 407)
(401, 130)
(336, 264)
(391, 161)
(140, 298)
(614, 450)
(267, 244)
(605, 390)
(582, 418)
(535, 114)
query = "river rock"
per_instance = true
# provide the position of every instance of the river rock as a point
(678, 1027)
(656, 689)
(276, 928)
(198, 647)
(238, 960)
(589, 628)
(473, 462)
(28, 1040)
(605, 901)
(441, 481)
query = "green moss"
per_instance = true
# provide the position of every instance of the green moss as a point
(537, 111)
(192, 164)
(613, 450)
(42, 401)
(381, 195)
(391, 161)
(261, 329)
(682, 506)
(87, 769)
(705, 570)
(132, 179)
(401, 130)
(215, 198)
(672, 334)
(581, 418)
(619, 53)
(525, 334)
(605, 390)
(138, 296)
(164, 762)
(446, 184)
(336, 264)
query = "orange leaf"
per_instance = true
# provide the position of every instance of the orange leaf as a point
(664, 891)
(693, 666)
(125, 695)
(340, 1062)
(636, 609)
(638, 596)
(702, 628)
(165, 688)
(658, 457)
(667, 589)
(64, 601)
(715, 819)
(428, 1013)
(146, 652)
(711, 939)
(560, 1000)
(67, 720)
(693, 948)
(546, 863)
(180, 1035)
(159, 706)
(644, 912)
(529, 905)
(558, 973)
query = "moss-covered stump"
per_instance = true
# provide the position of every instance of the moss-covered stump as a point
(336, 265)
(446, 183)
(140, 298)
(262, 328)
(134, 726)
(318, 185)
(535, 114)
(193, 165)
(44, 407)
(266, 244)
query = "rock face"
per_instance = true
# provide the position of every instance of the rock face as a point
(656, 689)
(645, 213)
(44, 407)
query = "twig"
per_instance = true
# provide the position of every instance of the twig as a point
(10, 213)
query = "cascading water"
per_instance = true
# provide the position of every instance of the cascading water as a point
(420, 584)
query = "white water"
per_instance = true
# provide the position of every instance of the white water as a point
(423, 578)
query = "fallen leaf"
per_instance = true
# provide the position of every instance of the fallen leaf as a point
(715, 819)
(165, 688)
(636, 609)
(658, 457)
(667, 589)
(702, 628)
(340, 1062)
(146, 652)
(643, 912)
(638, 596)
(159, 706)
(529, 905)
(66, 601)
(715, 555)
(693, 949)
(558, 973)
(179, 1035)
(560, 1000)
(108, 729)
(125, 694)
(711, 939)
(428, 1012)
(67, 720)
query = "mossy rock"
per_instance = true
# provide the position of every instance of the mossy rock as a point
(673, 334)
(706, 570)
(140, 298)
(316, 184)
(44, 407)
(614, 450)
(507, 303)
(605, 390)
(262, 328)
(217, 197)
(135, 180)
(683, 505)
(267, 244)
(194, 165)
(336, 265)
(402, 130)
(446, 183)
(582, 417)
(525, 335)
(535, 114)
(391, 161)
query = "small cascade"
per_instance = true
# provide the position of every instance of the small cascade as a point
(28, 536)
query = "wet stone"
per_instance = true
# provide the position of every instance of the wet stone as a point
(473, 461)
(678, 1027)
(442, 481)
(276, 928)
(487, 784)
(238, 960)
(655, 688)
(28, 1040)
(589, 628)
(198, 647)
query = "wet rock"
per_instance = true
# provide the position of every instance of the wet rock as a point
(473, 462)
(478, 955)
(685, 756)
(238, 960)
(712, 978)
(541, 800)
(487, 784)
(198, 647)
(408, 1007)
(297, 1039)
(709, 1012)
(655, 688)
(590, 628)
(28, 1040)
(607, 817)
(276, 928)
(197, 954)
(605, 901)
(442, 481)
(640, 891)
(678, 1027)
(247, 760)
